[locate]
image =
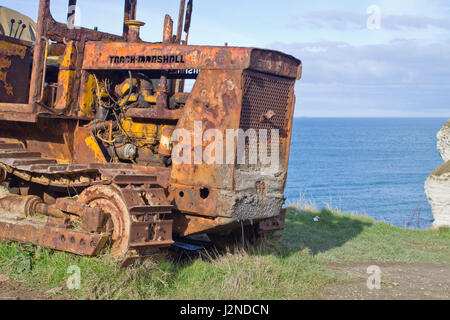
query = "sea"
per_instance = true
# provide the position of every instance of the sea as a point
(374, 167)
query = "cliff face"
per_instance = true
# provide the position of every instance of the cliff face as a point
(437, 186)
(443, 144)
(437, 189)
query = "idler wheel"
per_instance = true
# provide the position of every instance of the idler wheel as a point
(109, 199)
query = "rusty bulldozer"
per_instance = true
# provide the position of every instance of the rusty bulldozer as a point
(87, 126)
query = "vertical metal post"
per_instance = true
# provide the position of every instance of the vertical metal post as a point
(168, 39)
(129, 14)
(187, 24)
(180, 21)
(168, 29)
(38, 72)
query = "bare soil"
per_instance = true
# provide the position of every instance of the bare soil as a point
(10, 291)
(399, 281)
(13, 290)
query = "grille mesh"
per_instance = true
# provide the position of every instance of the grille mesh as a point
(265, 93)
(262, 93)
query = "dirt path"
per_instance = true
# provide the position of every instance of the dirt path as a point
(398, 282)
(11, 290)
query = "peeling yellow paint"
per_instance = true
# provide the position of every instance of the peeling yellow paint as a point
(5, 64)
(9, 49)
(12, 49)
(87, 97)
(146, 132)
(92, 144)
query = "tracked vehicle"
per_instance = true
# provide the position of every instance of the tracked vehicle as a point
(87, 137)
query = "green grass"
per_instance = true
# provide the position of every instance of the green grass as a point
(294, 267)
(444, 169)
(350, 238)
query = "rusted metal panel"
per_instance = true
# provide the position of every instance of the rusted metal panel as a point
(64, 92)
(73, 241)
(276, 63)
(15, 68)
(286, 143)
(216, 106)
(126, 56)
(156, 113)
(63, 222)
(273, 224)
(143, 210)
(50, 138)
(145, 234)
(186, 225)
(17, 112)
(92, 219)
(86, 107)
(88, 149)
(162, 174)
(18, 154)
(9, 146)
(215, 103)
(127, 177)
(32, 161)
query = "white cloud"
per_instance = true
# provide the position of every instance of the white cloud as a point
(401, 78)
(399, 62)
(348, 20)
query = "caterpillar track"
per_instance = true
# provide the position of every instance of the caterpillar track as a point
(114, 205)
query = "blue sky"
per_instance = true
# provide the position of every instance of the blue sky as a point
(401, 69)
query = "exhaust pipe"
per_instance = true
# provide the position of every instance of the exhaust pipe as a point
(129, 14)
(180, 21)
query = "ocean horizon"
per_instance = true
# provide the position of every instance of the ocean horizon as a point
(371, 166)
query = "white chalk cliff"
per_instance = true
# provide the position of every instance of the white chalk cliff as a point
(437, 186)
(443, 144)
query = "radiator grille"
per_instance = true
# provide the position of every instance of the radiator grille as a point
(265, 93)
(262, 93)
